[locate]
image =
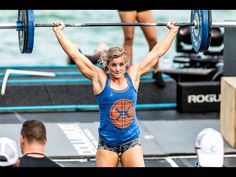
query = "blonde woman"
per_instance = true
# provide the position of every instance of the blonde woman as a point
(115, 87)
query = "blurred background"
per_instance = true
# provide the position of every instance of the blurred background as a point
(47, 51)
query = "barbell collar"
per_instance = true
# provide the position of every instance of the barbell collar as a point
(8, 26)
(113, 24)
(224, 24)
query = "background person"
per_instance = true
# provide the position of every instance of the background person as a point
(209, 147)
(8, 152)
(33, 140)
(150, 33)
(115, 87)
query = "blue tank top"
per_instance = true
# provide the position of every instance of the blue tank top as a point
(118, 121)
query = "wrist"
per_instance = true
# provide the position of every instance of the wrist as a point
(58, 31)
(173, 31)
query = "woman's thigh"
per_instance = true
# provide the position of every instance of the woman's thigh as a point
(106, 158)
(150, 32)
(133, 157)
(128, 17)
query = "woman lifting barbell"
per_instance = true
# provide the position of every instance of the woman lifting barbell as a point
(115, 87)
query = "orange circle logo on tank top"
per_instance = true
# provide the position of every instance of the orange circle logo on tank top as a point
(122, 113)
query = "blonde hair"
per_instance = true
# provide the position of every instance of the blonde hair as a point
(110, 54)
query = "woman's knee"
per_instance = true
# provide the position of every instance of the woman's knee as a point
(129, 38)
(152, 42)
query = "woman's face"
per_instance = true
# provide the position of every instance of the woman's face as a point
(117, 67)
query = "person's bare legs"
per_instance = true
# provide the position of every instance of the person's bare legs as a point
(106, 158)
(150, 34)
(128, 17)
(133, 157)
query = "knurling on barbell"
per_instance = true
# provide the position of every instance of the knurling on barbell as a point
(200, 24)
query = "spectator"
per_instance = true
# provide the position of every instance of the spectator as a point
(209, 147)
(150, 33)
(8, 152)
(33, 140)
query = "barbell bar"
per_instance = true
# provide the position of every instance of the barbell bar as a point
(15, 26)
(113, 24)
(200, 28)
(226, 23)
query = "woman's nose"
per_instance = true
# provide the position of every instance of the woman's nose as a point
(117, 68)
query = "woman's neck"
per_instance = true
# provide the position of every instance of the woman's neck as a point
(117, 80)
(118, 84)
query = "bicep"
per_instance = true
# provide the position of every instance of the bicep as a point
(147, 63)
(87, 68)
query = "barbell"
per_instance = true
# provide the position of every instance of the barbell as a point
(200, 28)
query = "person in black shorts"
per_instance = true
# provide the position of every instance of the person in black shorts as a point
(32, 141)
(150, 33)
